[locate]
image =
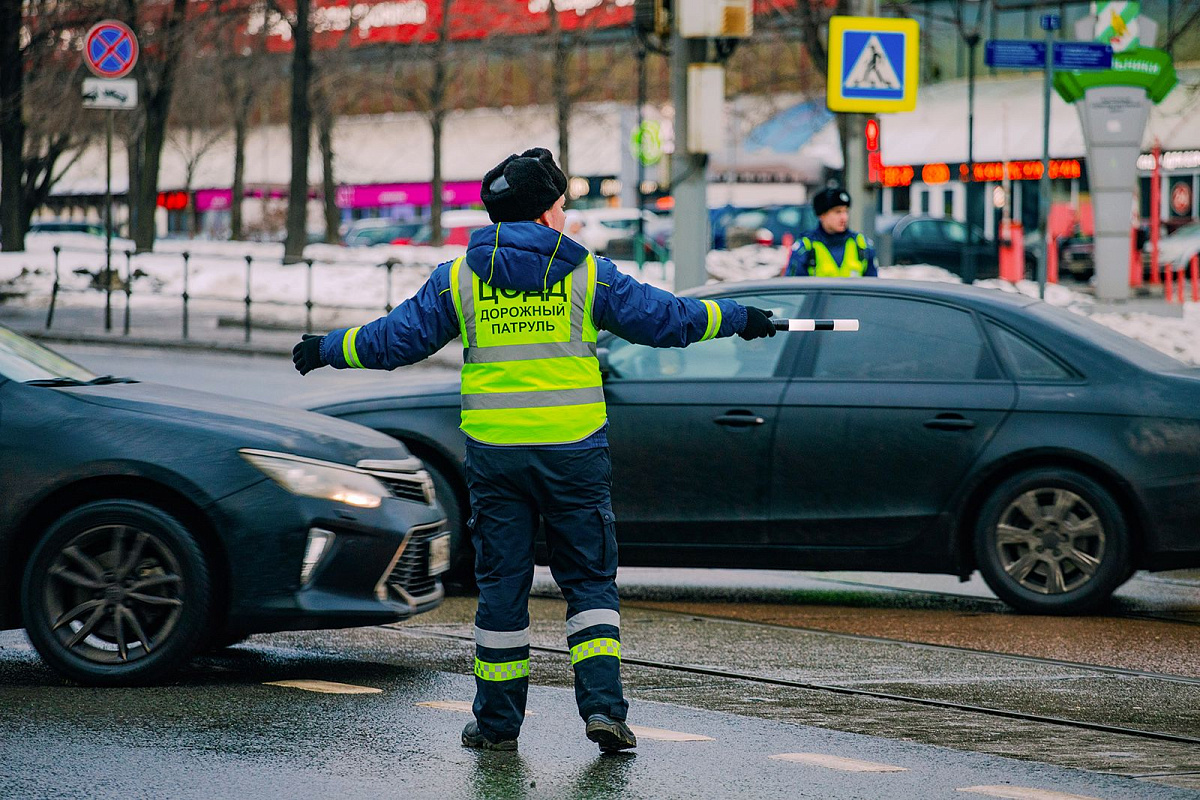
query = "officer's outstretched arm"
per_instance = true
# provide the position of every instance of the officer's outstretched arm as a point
(413, 331)
(644, 314)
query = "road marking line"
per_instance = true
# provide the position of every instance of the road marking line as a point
(837, 762)
(457, 705)
(325, 687)
(661, 735)
(1024, 793)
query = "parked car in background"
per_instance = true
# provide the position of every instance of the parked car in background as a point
(601, 226)
(960, 429)
(734, 226)
(943, 242)
(141, 523)
(64, 226)
(456, 228)
(370, 232)
(1178, 248)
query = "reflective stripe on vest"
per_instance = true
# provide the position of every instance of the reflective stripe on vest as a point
(530, 374)
(824, 266)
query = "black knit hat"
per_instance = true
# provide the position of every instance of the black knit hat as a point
(522, 188)
(829, 197)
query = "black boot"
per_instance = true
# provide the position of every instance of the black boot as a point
(473, 737)
(613, 735)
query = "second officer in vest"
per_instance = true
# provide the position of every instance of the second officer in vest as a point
(527, 302)
(832, 250)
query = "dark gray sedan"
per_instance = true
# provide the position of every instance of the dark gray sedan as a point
(959, 429)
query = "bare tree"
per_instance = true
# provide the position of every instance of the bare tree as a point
(300, 124)
(39, 107)
(426, 85)
(161, 29)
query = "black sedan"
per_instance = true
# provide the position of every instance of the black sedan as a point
(943, 242)
(141, 523)
(959, 429)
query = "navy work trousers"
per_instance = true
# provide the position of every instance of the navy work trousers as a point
(570, 490)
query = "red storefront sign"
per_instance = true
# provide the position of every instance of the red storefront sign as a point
(990, 171)
(340, 23)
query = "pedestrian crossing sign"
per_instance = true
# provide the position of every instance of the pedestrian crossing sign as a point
(873, 64)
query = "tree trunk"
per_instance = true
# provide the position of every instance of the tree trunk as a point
(301, 129)
(435, 202)
(12, 127)
(333, 216)
(560, 75)
(437, 116)
(143, 192)
(239, 172)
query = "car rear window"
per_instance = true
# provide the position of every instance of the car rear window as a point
(1124, 347)
(1027, 361)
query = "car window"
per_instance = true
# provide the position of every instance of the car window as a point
(1026, 360)
(750, 219)
(619, 224)
(954, 231)
(923, 230)
(900, 339)
(790, 217)
(730, 357)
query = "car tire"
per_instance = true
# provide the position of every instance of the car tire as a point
(116, 593)
(1069, 559)
(460, 578)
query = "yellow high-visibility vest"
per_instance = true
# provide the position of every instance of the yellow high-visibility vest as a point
(530, 374)
(853, 264)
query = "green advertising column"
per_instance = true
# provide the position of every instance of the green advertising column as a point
(1113, 107)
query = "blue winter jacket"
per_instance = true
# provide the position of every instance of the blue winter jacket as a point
(802, 258)
(527, 255)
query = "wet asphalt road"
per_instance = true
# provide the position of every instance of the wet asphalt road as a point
(219, 731)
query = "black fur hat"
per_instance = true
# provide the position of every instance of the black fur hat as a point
(829, 197)
(522, 188)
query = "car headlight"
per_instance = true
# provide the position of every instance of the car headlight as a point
(327, 481)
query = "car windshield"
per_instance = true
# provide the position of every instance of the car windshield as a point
(1129, 349)
(22, 360)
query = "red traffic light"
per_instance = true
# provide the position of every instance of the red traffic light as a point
(872, 135)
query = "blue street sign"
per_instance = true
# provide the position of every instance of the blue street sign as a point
(1082, 55)
(1031, 54)
(1015, 54)
(1051, 22)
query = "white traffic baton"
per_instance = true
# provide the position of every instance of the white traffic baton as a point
(815, 324)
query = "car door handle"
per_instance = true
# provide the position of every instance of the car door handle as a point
(739, 419)
(950, 422)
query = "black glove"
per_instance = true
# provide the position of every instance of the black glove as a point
(758, 324)
(306, 355)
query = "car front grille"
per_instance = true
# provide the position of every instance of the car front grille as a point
(409, 579)
(415, 486)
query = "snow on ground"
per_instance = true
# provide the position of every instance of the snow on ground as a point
(355, 280)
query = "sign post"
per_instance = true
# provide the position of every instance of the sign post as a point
(1047, 55)
(110, 52)
(1050, 24)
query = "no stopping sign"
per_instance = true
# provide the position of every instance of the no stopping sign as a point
(110, 49)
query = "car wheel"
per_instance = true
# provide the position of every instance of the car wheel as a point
(116, 593)
(460, 578)
(1052, 542)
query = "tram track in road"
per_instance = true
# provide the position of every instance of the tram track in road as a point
(850, 691)
(1053, 662)
(1000, 604)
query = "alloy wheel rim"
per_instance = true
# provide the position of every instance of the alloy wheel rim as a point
(113, 594)
(1050, 541)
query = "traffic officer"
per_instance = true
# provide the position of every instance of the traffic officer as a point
(832, 250)
(527, 302)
